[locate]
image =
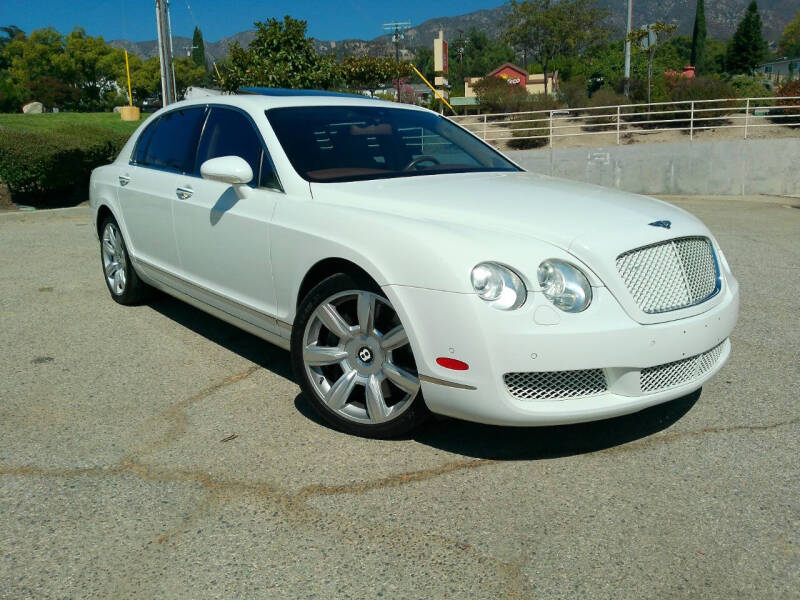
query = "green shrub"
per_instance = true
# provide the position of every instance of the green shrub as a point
(497, 96)
(573, 93)
(48, 167)
(790, 115)
(603, 119)
(532, 125)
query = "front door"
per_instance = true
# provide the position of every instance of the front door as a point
(223, 236)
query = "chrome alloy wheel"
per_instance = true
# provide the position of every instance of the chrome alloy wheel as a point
(114, 263)
(364, 371)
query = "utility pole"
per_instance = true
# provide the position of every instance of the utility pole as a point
(628, 49)
(168, 93)
(398, 27)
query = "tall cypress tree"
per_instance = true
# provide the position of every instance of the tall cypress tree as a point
(199, 49)
(747, 48)
(699, 37)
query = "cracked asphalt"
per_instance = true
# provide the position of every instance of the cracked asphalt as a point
(116, 481)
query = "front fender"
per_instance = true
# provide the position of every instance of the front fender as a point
(392, 249)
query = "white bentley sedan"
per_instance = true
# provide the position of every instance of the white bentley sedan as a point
(409, 267)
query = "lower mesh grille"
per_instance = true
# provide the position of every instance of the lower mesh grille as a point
(552, 385)
(679, 372)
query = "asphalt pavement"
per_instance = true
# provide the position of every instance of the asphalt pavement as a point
(156, 451)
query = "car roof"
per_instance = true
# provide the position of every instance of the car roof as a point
(277, 97)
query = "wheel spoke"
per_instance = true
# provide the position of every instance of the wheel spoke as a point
(337, 396)
(331, 318)
(111, 268)
(366, 312)
(109, 248)
(401, 378)
(394, 338)
(117, 280)
(376, 403)
(318, 356)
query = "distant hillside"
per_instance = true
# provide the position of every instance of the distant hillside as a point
(722, 16)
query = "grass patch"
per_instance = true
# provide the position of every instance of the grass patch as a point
(67, 122)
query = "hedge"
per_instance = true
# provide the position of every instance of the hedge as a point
(50, 167)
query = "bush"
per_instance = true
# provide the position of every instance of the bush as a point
(47, 167)
(528, 126)
(605, 96)
(682, 89)
(497, 96)
(788, 116)
(573, 93)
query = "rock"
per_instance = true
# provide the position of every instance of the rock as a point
(33, 108)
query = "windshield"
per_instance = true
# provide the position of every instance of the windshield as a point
(354, 143)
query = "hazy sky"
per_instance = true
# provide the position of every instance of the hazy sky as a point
(135, 19)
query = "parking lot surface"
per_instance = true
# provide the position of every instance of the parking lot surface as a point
(116, 479)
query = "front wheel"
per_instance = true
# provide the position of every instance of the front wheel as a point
(353, 360)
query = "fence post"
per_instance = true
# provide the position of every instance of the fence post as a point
(691, 123)
(746, 117)
(484, 127)
(551, 128)
(617, 125)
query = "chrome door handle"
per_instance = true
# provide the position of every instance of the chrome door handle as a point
(124, 179)
(184, 193)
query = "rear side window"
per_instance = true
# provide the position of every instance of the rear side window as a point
(230, 133)
(173, 141)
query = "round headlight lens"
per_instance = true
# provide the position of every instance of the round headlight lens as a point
(498, 285)
(564, 285)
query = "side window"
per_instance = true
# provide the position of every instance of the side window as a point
(230, 133)
(143, 142)
(173, 143)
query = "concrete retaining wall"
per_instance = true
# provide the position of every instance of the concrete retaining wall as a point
(737, 167)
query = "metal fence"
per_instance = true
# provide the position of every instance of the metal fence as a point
(692, 116)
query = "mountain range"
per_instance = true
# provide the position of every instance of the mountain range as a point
(722, 16)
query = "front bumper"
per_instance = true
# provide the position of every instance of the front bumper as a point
(539, 338)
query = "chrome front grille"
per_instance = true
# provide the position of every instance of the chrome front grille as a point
(555, 385)
(670, 275)
(654, 379)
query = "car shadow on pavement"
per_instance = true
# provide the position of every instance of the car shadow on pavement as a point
(228, 336)
(452, 435)
(531, 443)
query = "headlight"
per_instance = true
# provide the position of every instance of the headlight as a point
(565, 285)
(499, 286)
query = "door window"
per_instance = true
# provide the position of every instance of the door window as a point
(172, 144)
(230, 133)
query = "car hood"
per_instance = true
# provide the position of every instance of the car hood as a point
(575, 216)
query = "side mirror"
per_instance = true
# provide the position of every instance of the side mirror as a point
(227, 169)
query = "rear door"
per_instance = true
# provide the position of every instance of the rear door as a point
(223, 237)
(148, 184)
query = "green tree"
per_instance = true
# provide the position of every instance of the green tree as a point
(790, 39)
(699, 38)
(370, 72)
(547, 29)
(199, 49)
(280, 55)
(9, 33)
(661, 31)
(747, 48)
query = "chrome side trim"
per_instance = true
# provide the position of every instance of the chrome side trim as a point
(444, 382)
(254, 328)
(283, 324)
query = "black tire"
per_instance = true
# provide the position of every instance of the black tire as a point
(134, 289)
(410, 418)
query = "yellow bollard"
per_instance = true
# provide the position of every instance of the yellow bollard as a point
(130, 112)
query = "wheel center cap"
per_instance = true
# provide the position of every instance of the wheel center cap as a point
(365, 355)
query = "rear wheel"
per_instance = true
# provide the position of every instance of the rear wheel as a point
(121, 279)
(353, 359)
